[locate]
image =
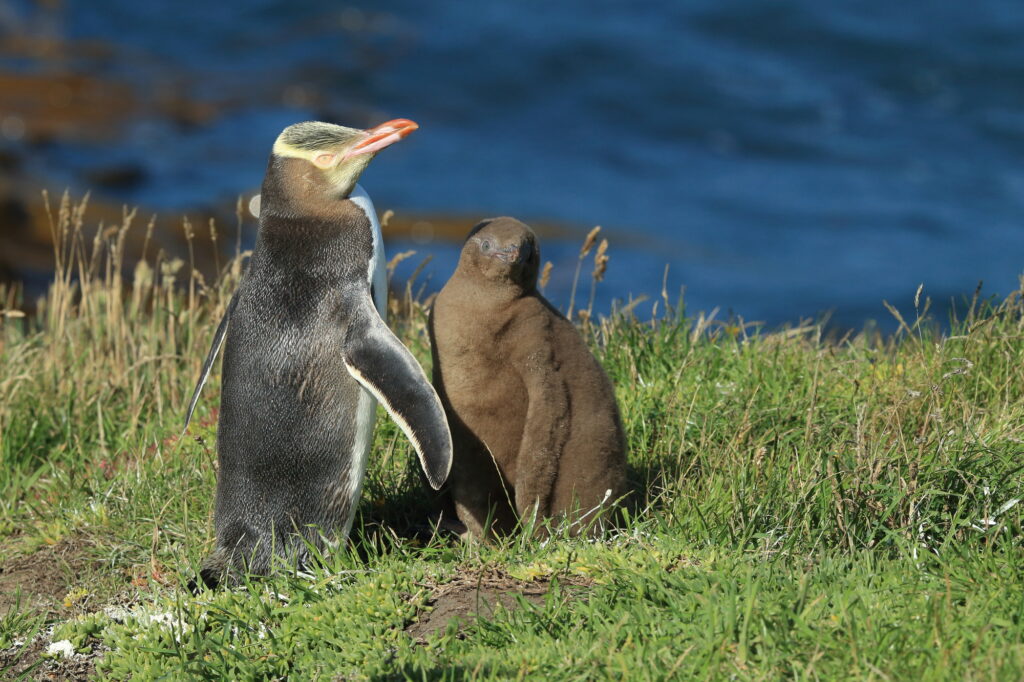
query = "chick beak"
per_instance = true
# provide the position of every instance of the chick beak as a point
(515, 254)
(384, 135)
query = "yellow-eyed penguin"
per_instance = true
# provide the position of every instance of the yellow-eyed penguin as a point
(307, 355)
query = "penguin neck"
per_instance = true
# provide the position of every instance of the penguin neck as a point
(294, 187)
(304, 229)
(484, 292)
(361, 198)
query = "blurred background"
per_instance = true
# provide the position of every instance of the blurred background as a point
(782, 159)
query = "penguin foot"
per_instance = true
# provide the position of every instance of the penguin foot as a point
(453, 526)
(211, 575)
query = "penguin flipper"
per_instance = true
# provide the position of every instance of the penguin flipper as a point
(380, 363)
(218, 341)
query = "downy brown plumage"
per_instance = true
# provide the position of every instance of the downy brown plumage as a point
(533, 415)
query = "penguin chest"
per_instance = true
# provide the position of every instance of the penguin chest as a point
(485, 392)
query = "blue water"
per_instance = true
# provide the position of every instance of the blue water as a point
(783, 159)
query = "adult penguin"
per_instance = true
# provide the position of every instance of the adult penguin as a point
(307, 355)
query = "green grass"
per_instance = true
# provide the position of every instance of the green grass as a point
(808, 507)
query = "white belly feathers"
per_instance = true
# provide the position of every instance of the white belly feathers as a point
(378, 263)
(366, 409)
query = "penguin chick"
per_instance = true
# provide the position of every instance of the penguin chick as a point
(534, 421)
(307, 354)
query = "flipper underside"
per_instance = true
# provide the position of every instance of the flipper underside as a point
(382, 365)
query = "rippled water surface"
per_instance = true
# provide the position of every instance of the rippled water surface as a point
(782, 158)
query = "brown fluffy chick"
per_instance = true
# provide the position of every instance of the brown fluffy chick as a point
(532, 414)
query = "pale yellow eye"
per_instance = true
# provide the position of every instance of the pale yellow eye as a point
(323, 160)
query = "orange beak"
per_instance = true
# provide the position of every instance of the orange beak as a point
(384, 135)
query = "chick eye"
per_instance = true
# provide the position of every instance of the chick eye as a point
(486, 246)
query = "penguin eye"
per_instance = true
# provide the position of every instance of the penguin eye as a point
(324, 160)
(486, 245)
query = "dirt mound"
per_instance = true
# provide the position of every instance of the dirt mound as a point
(43, 577)
(479, 593)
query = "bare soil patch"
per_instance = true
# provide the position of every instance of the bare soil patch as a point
(18, 661)
(479, 593)
(43, 577)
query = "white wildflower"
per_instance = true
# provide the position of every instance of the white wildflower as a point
(62, 648)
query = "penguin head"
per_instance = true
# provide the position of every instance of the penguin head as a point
(502, 250)
(337, 155)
